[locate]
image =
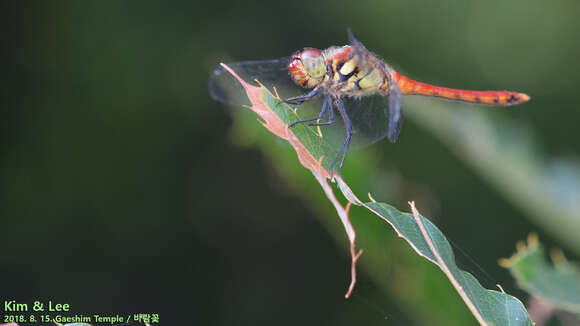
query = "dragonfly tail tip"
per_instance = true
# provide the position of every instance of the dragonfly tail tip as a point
(525, 97)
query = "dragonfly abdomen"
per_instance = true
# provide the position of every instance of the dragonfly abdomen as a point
(409, 86)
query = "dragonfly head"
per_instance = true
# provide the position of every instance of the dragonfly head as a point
(308, 67)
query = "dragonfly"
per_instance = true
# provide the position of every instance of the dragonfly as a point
(364, 90)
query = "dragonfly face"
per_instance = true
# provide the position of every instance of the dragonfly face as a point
(308, 67)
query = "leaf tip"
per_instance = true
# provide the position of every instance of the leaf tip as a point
(557, 256)
(259, 83)
(522, 249)
(500, 288)
(276, 93)
(533, 239)
(504, 262)
(413, 208)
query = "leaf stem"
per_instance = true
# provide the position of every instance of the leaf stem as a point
(343, 213)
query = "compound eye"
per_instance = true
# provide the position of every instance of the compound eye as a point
(313, 62)
(310, 53)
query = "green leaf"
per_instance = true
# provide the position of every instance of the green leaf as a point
(557, 284)
(314, 152)
(495, 308)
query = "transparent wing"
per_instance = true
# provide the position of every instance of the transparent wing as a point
(365, 57)
(369, 119)
(224, 88)
(395, 116)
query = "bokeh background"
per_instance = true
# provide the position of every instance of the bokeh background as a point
(124, 188)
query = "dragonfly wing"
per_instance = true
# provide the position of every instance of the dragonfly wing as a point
(225, 88)
(272, 74)
(373, 118)
(368, 117)
(395, 114)
(394, 105)
(364, 56)
(352, 40)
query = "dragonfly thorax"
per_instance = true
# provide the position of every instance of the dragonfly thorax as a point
(308, 67)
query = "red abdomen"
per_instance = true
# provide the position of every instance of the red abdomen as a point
(409, 86)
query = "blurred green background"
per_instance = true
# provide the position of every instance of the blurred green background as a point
(124, 188)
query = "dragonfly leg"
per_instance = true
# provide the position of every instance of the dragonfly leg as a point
(328, 103)
(298, 100)
(325, 106)
(344, 149)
